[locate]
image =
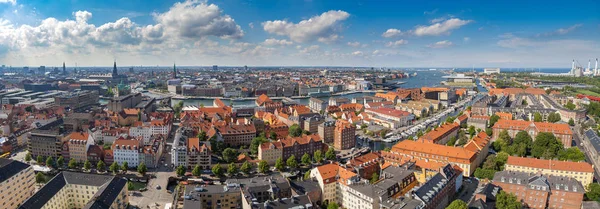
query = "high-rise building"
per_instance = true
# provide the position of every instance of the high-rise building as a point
(215, 67)
(174, 71)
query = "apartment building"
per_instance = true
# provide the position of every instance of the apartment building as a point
(198, 153)
(541, 191)
(561, 131)
(344, 135)
(212, 196)
(77, 99)
(389, 117)
(442, 134)
(16, 183)
(317, 105)
(580, 171)
(330, 177)
(79, 143)
(326, 131)
(127, 150)
(366, 165)
(233, 134)
(80, 190)
(285, 148)
(47, 140)
(438, 191)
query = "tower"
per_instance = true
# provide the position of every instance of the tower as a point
(64, 68)
(174, 71)
(114, 73)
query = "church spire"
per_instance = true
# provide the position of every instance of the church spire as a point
(64, 68)
(174, 71)
(114, 73)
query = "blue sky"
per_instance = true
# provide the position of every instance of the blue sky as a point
(300, 33)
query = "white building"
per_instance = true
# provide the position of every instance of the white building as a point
(125, 150)
(491, 71)
(179, 149)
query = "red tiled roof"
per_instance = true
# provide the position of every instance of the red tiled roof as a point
(550, 164)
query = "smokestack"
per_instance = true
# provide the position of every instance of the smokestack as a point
(589, 62)
(573, 65)
(596, 68)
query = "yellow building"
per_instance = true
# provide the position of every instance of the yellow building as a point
(78, 144)
(16, 183)
(80, 190)
(580, 171)
(270, 151)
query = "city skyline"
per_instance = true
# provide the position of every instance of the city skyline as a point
(299, 33)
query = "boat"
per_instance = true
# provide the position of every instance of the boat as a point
(414, 74)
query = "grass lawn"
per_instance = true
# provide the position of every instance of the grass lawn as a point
(138, 185)
(588, 92)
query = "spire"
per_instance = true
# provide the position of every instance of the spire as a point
(114, 73)
(174, 71)
(64, 68)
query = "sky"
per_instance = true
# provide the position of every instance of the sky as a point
(361, 33)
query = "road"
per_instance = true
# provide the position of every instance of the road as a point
(153, 195)
(584, 145)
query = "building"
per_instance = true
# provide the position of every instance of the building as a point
(16, 183)
(233, 134)
(442, 134)
(80, 190)
(580, 171)
(285, 148)
(212, 196)
(390, 118)
(478, 121)
(317, 105)
(113, 78)
(263, 189)
(330, 178)
(561, 131)
(490, 71)
(541, 191)
(366, 165)
(77, 99)
(116, 104)
(311, 124)
(326, 131)
(127, 150)
(79, 142)
(179, 149)
(438, 191)
(344, 135)
(198, 154)
(47, 140)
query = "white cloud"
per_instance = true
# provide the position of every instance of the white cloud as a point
(436, 20)
(430, 12)
(251, 25)
(466, 39)
(392, 32)
(396, 43)
(273, 42)
(354, 44)
(561, 31)
(321, 28)
(357, 53)
(13, 2)
(440, 44)
(440, 28)
(310, 49)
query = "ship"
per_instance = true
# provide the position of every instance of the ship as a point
(414, 74)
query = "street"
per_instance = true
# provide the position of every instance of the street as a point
(153, 195)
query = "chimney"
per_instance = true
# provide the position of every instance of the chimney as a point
(596, 68)
(589, 62)
(573, 65)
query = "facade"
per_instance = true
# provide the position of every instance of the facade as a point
(311, 124)
(440, 189)
(127, 150)
(77, 99)
(79, 143)
(117, 104)
(580, 171)
(344, 135)
(331, 179)
(561, 131)
(198, 153)
(390, 118)
(326, 131)
(478, 121)
(212, 196)
(541, 191)
(366, 165)
(80, 190)
(285, 148)
(317, 105)
(47, 140)
(236, 135)
(442, 134)
(16, 183)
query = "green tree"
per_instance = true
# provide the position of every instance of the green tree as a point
(100, 166)
(419, 134)
(571, 154)
(489, 131)
(196, 171)
(232, 169)
(593, 192)
(523, 138)
(493, 119)
(263, 166)
(72, 164)
(279, 164)
(130, 186)
(60, 162)
(142, 169)
(318, 156)
(554, 117)
(246, 167)
(507, 201)
(87, 165)
(468, 108)
(39, 159)
(450, 119)
(330, 154)
(291, 162)
(255, 143)
(273, 136)
(114, 167)
(306, 159)
(125, 166)
(50, 162)
(452, 141)
(374, 178)
(40, 178)
(483, 173)
(471, 131)
(570, 105)
(332, 205)
(545, 146)
(139, 114)
(217, 170)
(230, 155)
(458, 204)
(180, 171)
(28, 157)
(202, 135)
(571, 122)
(307, 174)
(295, 131)
(537, 117)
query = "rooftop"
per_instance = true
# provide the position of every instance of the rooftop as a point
(550, 164)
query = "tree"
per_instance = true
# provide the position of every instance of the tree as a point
(307, 174)
(332, 205)
(571, 154)
(593, 192)
(570, 105)
(452, 141)
(291, 162)
(100, 166)
(125, 166)
(493, 119)
(87, 165)
(217, 146)
(537, 117)
(202, 135)
(523, 137)
(50, 162)
(295, 130)
(571, 122)
(72, 164)
(246, 167)
(114, 167)
(318, 156)
(28, 157)
(142, 169)
(306, 159)
(232, 169)
(139, 114)
(130, 186)
(419, 134)
(255, 143)
(279, 164)
(374, 178)
(196, 171)
(273, 135)
(177, 108)
(458, 204)
(471, 131)
(330, 154)
(507, 201)
(180, 171)
(450, 119)
(60, 162)
(217, 170)
(40, 178)
(489, 131)
(468, 108)
(483, 173)
(554, 117)
(230, 155)
(545, 145)
(263, 166)
(39, 159)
